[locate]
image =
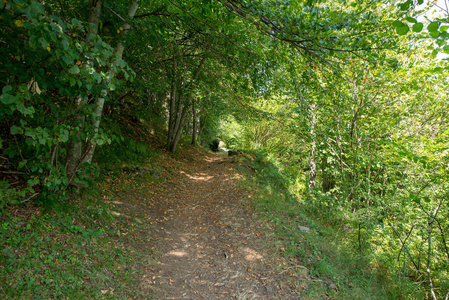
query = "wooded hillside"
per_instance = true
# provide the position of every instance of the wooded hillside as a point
(348, 99)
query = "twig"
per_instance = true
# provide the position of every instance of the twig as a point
(403, 244)
(11, 172)
(117, 15)
(399, 237)
(292, 267)
(29, 198)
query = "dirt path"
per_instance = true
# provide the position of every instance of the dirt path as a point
(207, 244)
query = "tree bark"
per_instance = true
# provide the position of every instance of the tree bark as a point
(195, 123)
(74, 150)
(99, 102)
(178, 114)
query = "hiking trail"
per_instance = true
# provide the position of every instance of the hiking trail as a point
(207, 242)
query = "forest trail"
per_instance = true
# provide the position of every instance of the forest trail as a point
(207, 243)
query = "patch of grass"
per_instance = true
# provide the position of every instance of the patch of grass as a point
(63, 253)
(335, 269)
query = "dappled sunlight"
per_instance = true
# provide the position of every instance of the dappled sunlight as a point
(251, 254)
(199, 177)
(177, 253)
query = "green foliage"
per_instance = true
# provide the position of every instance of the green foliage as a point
(50, 64)
(326, 252)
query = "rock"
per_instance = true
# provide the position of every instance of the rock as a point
(332, 286)
(304, 229)
(269, 289)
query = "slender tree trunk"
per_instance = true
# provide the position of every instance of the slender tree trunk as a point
(74, 150)
(179, 113)
(99, 102)
(312, 174)
(172, 104)
(201, 125)
(195, 123)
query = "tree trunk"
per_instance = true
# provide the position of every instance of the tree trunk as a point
(312, 174)
(74, 150)
(194, 125)
(328, 180)
(178, 110)
(99, 102)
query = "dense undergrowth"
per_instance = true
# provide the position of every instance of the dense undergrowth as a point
(330, 251)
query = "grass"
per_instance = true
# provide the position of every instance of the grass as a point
(64, 253)
(85, 247)
(336, 270)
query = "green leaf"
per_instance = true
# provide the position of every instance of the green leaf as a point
(398, 24)
(432, 27)
(402, 30)
(444, 28)
(8, 99)
(65, 44)
(435, 34)
(411, 20)
(6, 89)
(97, 77)
(67, 59)
(405, 5)
(417, 27)
(16, 130)
(74, 70)
(414, 199)
(446, 49)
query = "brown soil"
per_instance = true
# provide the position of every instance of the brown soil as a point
(208, 242)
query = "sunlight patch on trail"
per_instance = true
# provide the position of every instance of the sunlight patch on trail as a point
(177, 253)
(201, 177)
(251, 254)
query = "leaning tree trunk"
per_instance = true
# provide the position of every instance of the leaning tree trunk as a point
(74, 150)
(99, 102)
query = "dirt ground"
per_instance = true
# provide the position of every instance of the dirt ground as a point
(208, 243)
